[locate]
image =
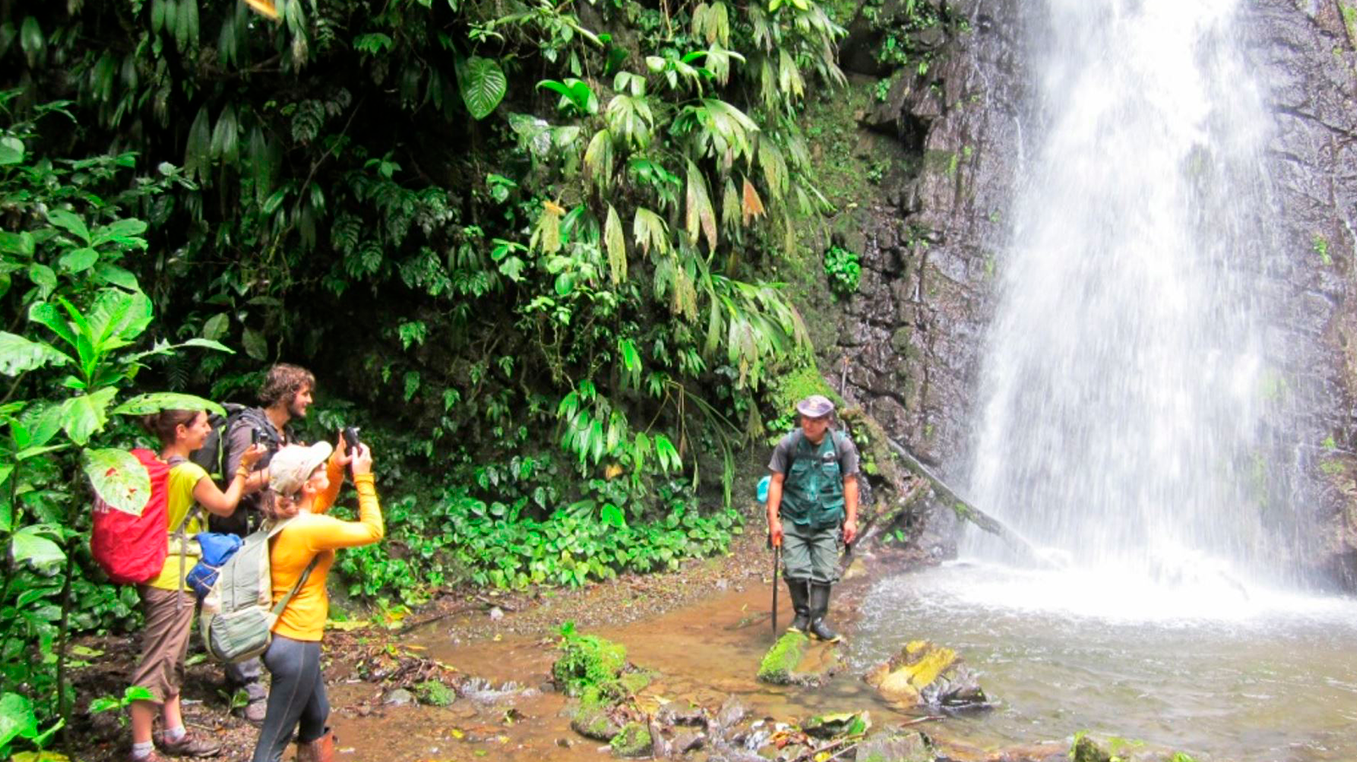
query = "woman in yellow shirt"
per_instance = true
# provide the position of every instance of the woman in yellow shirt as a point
(166, 604)
(303, 489)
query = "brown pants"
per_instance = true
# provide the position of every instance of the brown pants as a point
(164, 641)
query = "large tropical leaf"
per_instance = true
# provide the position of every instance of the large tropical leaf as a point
(86, 414)
(483, 85)
(144, 404)
(119, 479)
(19, 355)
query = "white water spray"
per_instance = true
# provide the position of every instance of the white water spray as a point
(1125, 383)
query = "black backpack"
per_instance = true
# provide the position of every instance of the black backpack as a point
(212, 456)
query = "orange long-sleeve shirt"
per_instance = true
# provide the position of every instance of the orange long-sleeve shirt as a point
(317, 535)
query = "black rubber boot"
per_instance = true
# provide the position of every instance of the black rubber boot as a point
(800, 592)
(819, 607)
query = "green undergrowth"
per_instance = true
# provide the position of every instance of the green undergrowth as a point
(458, 537)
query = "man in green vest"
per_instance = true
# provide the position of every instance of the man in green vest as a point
(812, 493)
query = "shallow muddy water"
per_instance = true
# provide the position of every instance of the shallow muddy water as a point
(1270, 677)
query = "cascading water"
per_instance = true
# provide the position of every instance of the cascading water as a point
(1131, 410)
(1125, 383)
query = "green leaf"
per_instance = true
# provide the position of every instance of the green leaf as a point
(86, 414)
(255, 345)
(483, 85)
(207, 344)
(17, 719)
(29, 546)
(144, 404)
(42, 277)
(117, 317)
(78, 260)
(33, 41)
(116, 276)
(45, 314)
(216, 326)
(616, 244)
(613, 516)
(69, 222)
(16, 243)
(126, 233)
(119, 479)
(19, 355)
(11, 151)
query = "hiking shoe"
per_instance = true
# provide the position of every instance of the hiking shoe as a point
(191, 745)
(152, 757)
(254, 712)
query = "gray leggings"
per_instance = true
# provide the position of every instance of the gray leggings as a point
(297, 694)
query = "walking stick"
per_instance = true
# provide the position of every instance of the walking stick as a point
(777, 562)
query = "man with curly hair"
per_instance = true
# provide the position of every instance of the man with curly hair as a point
(285, 395)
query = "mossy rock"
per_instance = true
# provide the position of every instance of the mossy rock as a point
(837, 724)
(896, 747)
(586, 660)
(923, 673)
(792, 661)
(592, 716)
(632, 742)
(635, 680)
(434, 693)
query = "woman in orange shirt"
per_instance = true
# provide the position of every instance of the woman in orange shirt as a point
(303, 489)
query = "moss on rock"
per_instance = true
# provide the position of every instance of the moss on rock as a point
(780, 663)
(633, 741)
(434, 693)
(592, 718)
(586, 660)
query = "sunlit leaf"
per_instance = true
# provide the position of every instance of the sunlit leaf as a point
(19, 355)
(144, 404)
(86, 414)
(30, 547)
(118, 478)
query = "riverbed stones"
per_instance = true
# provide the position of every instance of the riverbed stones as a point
(794, 660)
(398, 697)
(592, 716)
(896, 747)
(927, 674)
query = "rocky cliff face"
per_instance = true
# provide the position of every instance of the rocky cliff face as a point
(910, 343)
(1307, 51)
(911, 339)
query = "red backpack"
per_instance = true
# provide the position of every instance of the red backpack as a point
(132, 549)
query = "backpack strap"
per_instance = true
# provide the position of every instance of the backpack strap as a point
(273, 530)
(834, 435)
(180, 533)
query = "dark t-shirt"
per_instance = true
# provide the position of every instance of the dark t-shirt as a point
(782, 454)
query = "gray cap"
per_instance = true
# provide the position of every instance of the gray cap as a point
(815, 406)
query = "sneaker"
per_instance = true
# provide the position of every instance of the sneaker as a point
(254, 712)
(152, 757)
(191, 745)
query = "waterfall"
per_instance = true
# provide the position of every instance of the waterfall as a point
(1127, 392)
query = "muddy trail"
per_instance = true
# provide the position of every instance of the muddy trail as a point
(701, 633)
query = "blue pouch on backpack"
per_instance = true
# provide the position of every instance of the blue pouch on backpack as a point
(217, 549)
(762, 490)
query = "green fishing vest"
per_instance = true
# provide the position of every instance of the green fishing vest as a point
(812, 491)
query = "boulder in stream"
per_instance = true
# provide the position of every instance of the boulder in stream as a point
(837, 724)
(896, 747)
(929, 675)
(793, 660)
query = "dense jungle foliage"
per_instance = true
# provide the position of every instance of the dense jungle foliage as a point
(526, 246)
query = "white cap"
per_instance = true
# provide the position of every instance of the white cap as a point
(292, 465)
